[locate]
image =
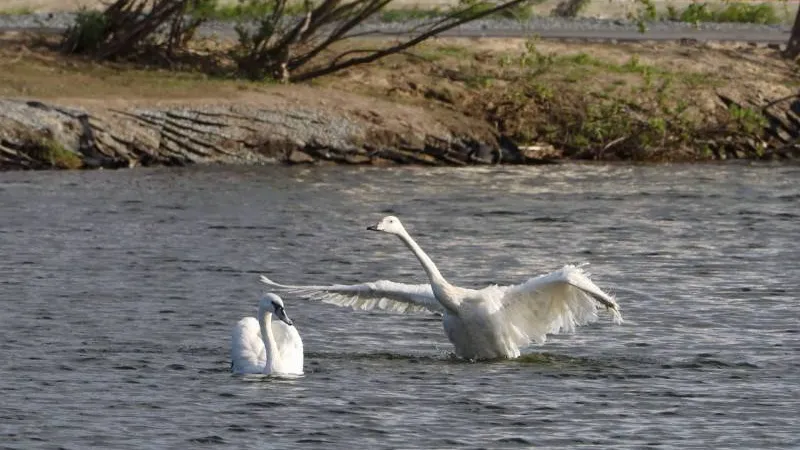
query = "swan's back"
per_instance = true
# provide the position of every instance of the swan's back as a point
(290, 346)
(247, 349)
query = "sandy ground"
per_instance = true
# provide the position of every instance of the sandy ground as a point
(598, 8)
(738, 68)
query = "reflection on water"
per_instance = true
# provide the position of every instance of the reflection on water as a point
(119, 290)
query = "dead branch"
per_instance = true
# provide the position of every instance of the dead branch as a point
(461, 17)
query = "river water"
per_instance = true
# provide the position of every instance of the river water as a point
(119, 290)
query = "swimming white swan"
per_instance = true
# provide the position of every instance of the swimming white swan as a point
(487, 323)
(259, 346)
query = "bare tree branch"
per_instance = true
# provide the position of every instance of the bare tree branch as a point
(271, 43)
(463, 18)
(793, 46)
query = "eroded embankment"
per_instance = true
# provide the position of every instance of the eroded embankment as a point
(38, 135)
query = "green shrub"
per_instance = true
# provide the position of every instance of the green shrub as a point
(763, 13)
(50, 151)
(88, 32)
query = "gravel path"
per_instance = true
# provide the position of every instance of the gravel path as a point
(545, 27)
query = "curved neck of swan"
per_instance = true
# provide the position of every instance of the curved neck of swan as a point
(265, 322)
(441, 288)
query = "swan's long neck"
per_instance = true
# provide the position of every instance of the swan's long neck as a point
(441, 288)
(265, 322)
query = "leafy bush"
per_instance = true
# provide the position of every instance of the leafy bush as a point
(88, 33)
(763, 13)
(521, 11)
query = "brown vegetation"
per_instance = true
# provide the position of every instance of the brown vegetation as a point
(648, 101)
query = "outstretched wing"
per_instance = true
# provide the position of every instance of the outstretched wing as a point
(554, 303)
(384, 294)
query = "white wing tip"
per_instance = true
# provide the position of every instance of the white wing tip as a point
(573, 271)
(616, 316)
(269, 282)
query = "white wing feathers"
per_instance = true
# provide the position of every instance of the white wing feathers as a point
(553, 303)
(383, 294)
(290, 346)
(247, 349)
(286, 337)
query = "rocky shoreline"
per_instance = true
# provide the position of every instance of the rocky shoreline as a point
(39, 135)
(35, 135)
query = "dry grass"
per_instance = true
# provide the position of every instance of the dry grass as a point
(587, 67)
(631, 101)
(30, 67)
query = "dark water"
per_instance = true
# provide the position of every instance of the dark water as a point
(119, 289)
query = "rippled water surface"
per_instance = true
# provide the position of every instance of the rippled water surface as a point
(119, 290)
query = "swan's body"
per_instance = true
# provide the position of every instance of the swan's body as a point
(263, 347)
(485, 323)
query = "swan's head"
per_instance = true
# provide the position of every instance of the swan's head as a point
(389, 224)
(274, 304)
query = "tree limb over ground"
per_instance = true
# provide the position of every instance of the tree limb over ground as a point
(278, 39)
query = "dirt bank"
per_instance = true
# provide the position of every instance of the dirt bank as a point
(450, 102)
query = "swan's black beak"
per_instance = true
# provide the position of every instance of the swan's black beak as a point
(373, 228)
(281, 314)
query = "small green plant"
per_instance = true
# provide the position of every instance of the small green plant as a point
(672, 13)
(521, 11)
(532, 58)
(633, 64)
(479, 81)
(453, 50)
(50, 151)
(409, 14)
(696, 13)
(581, 58)
(646, 12)
(540, 91)
(748, 120)
(505, 61)
(205, 9)
(763, 13)
(87, 33)
(658, 124)
(19, 11)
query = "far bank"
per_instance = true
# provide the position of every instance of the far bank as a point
(448, 102)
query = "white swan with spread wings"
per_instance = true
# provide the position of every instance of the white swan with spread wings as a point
(487, 323)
